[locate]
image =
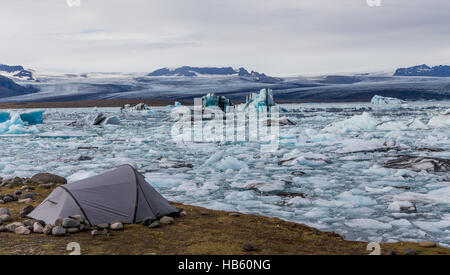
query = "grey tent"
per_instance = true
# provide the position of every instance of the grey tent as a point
(121, 195)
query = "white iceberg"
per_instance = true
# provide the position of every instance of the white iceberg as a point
(442, 120)
(261, 100)
(381, 100)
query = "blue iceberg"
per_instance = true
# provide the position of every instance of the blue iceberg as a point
(212, 100)
(262, 100)
(15, 123)
(32, 118)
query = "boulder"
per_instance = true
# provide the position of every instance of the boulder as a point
(47, 229)
(38, 228)
(48, 178)
(166, 220)
(116, 226)
(22, 230)
(29, 222)
(68, 223)
(4, 211)
(58, 231)
(12, 226)
(427, 244)
(5, 218)
(26, 210)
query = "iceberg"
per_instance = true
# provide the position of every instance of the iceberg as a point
(381, 100)
(176, 104)
(112, 120)
(15, 126)
(32, 118)
(212, 100)
(263, 99)
(442, 120)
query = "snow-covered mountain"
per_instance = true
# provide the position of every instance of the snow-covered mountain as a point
(188, 71)
(424, 70)
(9, 88)
(16, 72)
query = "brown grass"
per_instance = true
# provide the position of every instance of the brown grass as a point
(215, 233)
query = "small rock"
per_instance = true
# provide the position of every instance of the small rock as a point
(8, 198)
(390, 252)
(248, 247)
(41, 222)
(409, 251)
(5, 218)
(94, 232)
(2, 202)
(58, 222)
(38, 228)
(26, 210)
(148, 221)
(25, 200)
(47, 229)
(3, 228)
(234, 214)
(48, 178)
(166, 220)
(154, 224)
(103, 226)
(116, 226)
(84, 158)
(298, 173)
(18, 192)
(29, 222)
(12, 226)
(79, 218)
(105, 232)
(204, 213)
(182, 213)
(68, 223)
(427, 244)
(72, 230)
(58, 231)
(22, 230)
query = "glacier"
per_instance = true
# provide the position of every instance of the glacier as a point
(329, 171)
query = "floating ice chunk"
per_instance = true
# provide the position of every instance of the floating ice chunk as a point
(4, 116)
(398, 206)
(176, 104)
(355, 200)
(214, 158)
(433, 226)
(263, 99)
(15, 126)
(80, 175)
(401, 223)
(381, 100)
(441, 121)
(32, 117)
(298, 201)
(212, 100)
(112, 120)
(363, 122)
(368, 224)
(231, 163)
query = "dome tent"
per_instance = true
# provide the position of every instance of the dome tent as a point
(121, 194)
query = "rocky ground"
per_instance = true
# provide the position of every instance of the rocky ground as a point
(195, 231)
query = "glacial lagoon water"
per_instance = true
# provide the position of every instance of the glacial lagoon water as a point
(328, 172)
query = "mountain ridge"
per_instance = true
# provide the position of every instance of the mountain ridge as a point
(424, 70)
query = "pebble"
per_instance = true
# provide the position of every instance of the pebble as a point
(116, 226)
(204, 213)
(248, 247)
(47, 229)
(234, 214)
(409, 251)
(94, 232)
(103, 226)
(3, 228)
(154, 224)
(166, 220)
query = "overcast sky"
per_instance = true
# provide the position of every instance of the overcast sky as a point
(278, 37)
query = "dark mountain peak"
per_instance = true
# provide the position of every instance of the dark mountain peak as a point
(10, 88)
(16, 71)
(424, 70)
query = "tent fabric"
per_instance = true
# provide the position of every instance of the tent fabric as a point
(121, 195)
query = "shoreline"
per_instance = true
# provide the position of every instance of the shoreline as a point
(202, 231)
